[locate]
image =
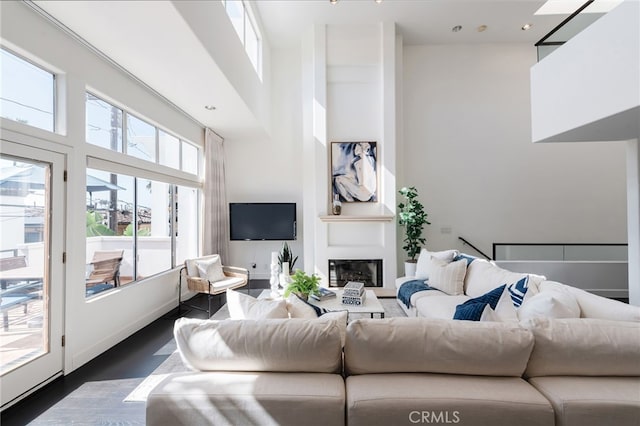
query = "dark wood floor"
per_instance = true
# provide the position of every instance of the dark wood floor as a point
(94, 393)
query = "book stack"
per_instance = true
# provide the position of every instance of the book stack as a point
(353, 293)
(323, 294)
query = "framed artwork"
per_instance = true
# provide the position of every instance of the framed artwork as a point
(354, 175)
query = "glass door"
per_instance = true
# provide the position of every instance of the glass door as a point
(31, 271)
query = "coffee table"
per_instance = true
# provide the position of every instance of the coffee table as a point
(371, 304)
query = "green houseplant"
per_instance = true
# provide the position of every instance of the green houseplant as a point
(286, 256)
(412, 217)
(302, 285)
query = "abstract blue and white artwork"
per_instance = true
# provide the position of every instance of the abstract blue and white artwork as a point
(353, 171)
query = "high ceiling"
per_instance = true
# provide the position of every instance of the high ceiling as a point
(134, 34)
(419, 21)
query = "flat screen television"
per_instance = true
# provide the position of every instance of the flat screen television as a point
(262, 221)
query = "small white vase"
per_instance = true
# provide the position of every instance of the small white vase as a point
(410, 269)
(285, 278)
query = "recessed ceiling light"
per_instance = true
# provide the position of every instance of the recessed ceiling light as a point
(525, 27)
(333, 1)
(456, 28)
(482, 28)
(209, 107)
(378, 1)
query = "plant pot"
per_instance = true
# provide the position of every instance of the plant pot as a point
(410, 268)
(302, 296)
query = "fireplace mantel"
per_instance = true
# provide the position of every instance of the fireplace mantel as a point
(358, 218)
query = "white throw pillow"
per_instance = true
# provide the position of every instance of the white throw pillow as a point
(299, 309)
(243, 306)
(447, 277)
(505, 311)
(210, 268)
(550, 304)
(422, 267)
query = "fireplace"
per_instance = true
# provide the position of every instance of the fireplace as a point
(367, 271)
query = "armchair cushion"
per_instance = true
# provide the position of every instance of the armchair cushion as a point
(210, 268)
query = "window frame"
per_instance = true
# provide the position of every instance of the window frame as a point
(54, 87)
(157, 129)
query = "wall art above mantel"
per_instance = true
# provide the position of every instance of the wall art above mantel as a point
(354, 174)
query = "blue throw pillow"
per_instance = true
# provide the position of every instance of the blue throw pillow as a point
(518, 291)
(472, 309)
(466, 257)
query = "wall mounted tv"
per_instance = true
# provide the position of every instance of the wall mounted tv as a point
(262, 221)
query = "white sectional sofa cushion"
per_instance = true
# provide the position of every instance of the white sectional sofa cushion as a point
(589, 369)
(591, 401)
(584, 347)
(483, 276)
(594, 306)
(235, 398)
(436, 346)
(439, 306)
(260, 345)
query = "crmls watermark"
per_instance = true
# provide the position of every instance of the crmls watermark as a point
(435, 417)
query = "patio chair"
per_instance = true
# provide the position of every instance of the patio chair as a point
(105, 268)
(232, 277)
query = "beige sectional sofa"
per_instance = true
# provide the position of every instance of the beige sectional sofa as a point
(467, 278)
(399, 371)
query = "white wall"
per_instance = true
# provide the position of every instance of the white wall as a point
(91, 326)
(468, 150)
(265, 170)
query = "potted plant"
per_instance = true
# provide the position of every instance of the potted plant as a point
(412, 217)
(302, 285)
(286, 256)
(286, 262)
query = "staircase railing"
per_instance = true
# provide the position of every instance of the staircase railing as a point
(474, 247)
(563, 32)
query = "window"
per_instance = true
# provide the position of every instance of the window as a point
(134, 216)
(169, 150)
(27, 92)
(186, 228)
(143, 140)
(239, 14)
(104, 124)
(189, 158)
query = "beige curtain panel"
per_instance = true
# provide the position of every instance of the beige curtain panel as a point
(216, 212)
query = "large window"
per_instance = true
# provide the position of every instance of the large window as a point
(105, 124)
(26, 92)
(240, 16)
(132, 219)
